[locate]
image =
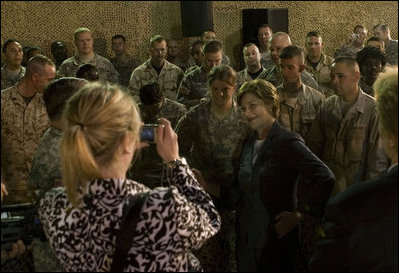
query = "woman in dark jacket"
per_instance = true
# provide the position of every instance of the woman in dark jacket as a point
(273, 160)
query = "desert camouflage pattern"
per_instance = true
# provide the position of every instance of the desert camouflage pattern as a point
(168, 79)
(275, 77)
(298, 118)
(22, 126)
(349, 145)
(322, 73)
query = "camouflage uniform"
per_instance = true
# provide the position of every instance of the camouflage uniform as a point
(348, 51)
(391, 51)
(274, 76)
(216, 147)
(168, 79)
(298, 118)
(190, 69)
(125, 68)
(349, 145)
(106, 70)
(148, 166)
(46, 165)
(266, 59)
(322, 73)
(8, 80)
(193, 87)
(243, 76)
(44, 258)
(225, 59)
(22, 126)
(180, 63)
(46, 168)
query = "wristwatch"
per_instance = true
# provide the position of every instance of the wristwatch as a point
(176, 163)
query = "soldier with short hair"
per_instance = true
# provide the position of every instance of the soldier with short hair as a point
(264, 34)
(317, 63)
(148, 167)
(298, 102)
(85, 54)
(209, 35)
(252, 59)
(273, 74)
(194, 85)
(23, 122)
(123, 61)
(196, 56)
(344, 133)
(12, 71)
(156, 69)
(174, 54)
(382, 32)
(46, 165)
(354, 44)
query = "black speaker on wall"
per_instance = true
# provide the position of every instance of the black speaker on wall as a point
(196, 16)
(277, 19)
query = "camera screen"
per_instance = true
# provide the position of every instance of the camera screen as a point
(147, 134)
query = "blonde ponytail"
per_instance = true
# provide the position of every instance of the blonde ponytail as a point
(98, 117)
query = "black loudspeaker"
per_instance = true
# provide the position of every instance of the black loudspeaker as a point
(196, 16)
(277, 19)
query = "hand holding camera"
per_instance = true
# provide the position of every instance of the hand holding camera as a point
(164, 137)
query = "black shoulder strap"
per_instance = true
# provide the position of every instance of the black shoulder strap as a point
(124, 238)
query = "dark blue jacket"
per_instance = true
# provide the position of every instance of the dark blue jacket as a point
(361, 227)
(269, 186)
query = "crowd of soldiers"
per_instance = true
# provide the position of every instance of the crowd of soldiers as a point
(327, 101)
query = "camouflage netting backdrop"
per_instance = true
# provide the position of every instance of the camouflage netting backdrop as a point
(40, 23)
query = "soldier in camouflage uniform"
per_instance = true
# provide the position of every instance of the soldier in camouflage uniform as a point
(210, 137)
(317, 63)
(382, 32)
(46, 166)
(194, 86)
(84, 46)
(264, 34)
(12, 71)
(354, 44)
(23, 122)
(252, 59)
(210, 35)
(344, 133)
(148, 167)
(196, 56)
(123, 62)
(156, 69)
(298, 102)
(173, 54)
(273, 74)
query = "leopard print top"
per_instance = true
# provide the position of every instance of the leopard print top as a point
(172, 222)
